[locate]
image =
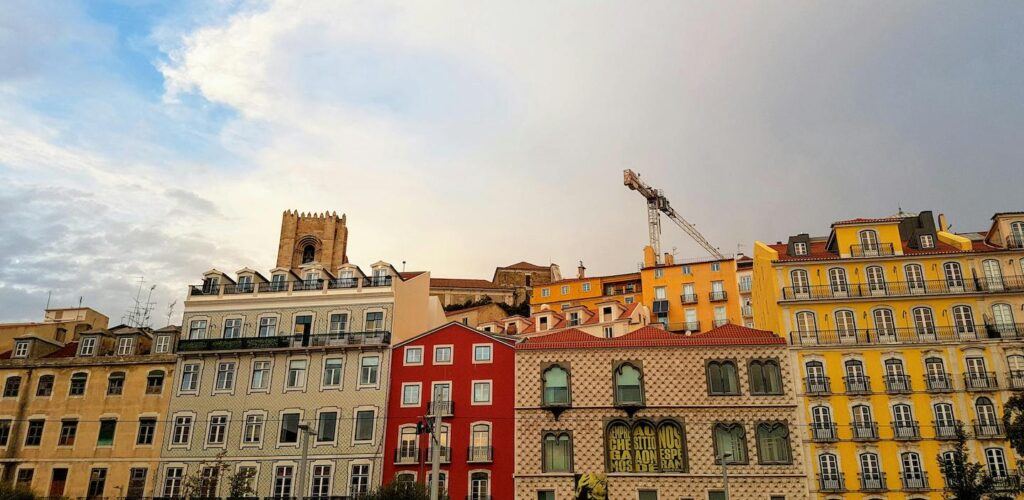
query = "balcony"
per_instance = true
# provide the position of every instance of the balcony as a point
(307, 285)
(904, 335)
(407, 455)
(946, 431)
(843, 291)
(480, 454)
(693, 326)
(445, 453)
(980, 381)
(718, 296)
(914, 481)
(864, 431)
(207, 289)
(817, 386)
(897, 384)
(747, 311)
(444, 408)
(908, 430)
(873, 482)
(720, 322)
(1016, 379)
(857, 384)
(824, 432)
(478, 496)
(938, 382)
(831, 483)
(1007, 481)
(688, 298)
(376, 338)
(989, 429)
(876, 250)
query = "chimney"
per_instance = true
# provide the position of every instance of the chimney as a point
(581, 271)
(943, 223)
(669, 259)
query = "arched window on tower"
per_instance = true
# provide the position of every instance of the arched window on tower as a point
(308, 254)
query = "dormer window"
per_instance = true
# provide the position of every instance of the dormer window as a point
(163, 344)
(574, 318)
(312, 276)
(124, 346)
(927, 241)
(800, 248)
(88, 347)
(278, 282)
(542, 323)
(245, 284)
(21, 349)
(211, 284)
(868, 240)
(716, 266)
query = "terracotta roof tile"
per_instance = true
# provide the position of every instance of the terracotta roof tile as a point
(861, 220)
(652, 336)
(410, 274)
(68, 351)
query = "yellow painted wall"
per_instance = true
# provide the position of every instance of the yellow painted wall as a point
(846, 236)
(575, 293)
(701, 275)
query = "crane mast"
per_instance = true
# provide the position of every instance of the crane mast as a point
(658, 204)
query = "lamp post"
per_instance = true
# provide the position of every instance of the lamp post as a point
(304, 429)
(725, 475)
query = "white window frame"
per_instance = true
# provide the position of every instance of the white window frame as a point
(355, 426)
(338, 415)
(451, 354)
(490, 393)
(174, 425)
(565, 290)
(21, 349)
(490, 354)
(209, 425)
(927, 241)
(341, 378)
(376, 383)
(163, 344)
(87, 346)
(269, 377)
(369, 474)
(232, 375)
(419, 395)
(799, 248)
(585, 286)
(545, 292)
(405, 355)
(288, 372)
(198, 378)
(280, 422)
(245, 427)
(125, 346)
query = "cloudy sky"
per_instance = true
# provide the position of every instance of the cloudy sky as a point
(159, 140)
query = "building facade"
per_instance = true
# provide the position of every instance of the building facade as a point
(465, 375)
(902, 331)
(609, 318)
(454, 292)
(523, 277)
(85, 418)
(611, 416)
(478, 315)
(588, 292)
(695, 295)
(61, 325)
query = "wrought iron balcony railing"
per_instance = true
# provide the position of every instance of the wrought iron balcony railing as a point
(905, 335)
(688, 298)
(1005, 480)
(873, 482)
(817, 386)
(480, 454)
(864, 431)
(946, 430)
(857, 384)
(747, 311)
(938, 382)
(1016, 379)
(374, 338)
(906, 430)
(717, 296)
(831, 483)
(897, 384)
(445, 454)
(824, 432)
(407, 455)
(988, 429)
(445, 408)
(876, 250)
(980, 381)
(720, 322)
(914, 481)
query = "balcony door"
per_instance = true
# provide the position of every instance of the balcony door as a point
(954, 276)
(915, 278)
(993, 275)
(885, 325)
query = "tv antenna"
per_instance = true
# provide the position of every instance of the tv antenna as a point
(138, 315)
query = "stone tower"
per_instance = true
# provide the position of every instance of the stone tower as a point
(309, 237)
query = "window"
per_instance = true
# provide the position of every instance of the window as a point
(308, 254)
(1002, 316)
(12, 386)
(414, 355)
(68, 432)
(108, 428)
(954, 275)
(411, 394)
(806, 323)
(927, 241)
(987, 417)
(163, 344)
(172, 481)
(136, 482)
(260, 375)
(374, 321)
(289, 429)
(773, 443)
(915, 277)
(868, 240)
(660, 293)
(283, 478)
(34, 433)
(87, 347)
(232, 328)
(765, 377)
(924, 320)
(24, 478)
(359, 479)
(247, 477)
(189, 377)
(799, 248)
(321, 486)
(44, 388)
(846, 326)
(609, 332)
(327, 427)
(479, 486)
(995, 460)
(482, 353)
(77, 387)
(800, 281)
(252, 431)
(97, 483)
(730, 442)
(480, 443)
(197, 329)
(124, 346)
(443, 354)
(557, 452)
(338, 323)
(628, 386)
(885, 325)
(482, 392)
(217, 431)
(368, 370)
(545, 292)
(722, 378)
(208, 479)
(542, 323)
(5, 432)
(876, 279)
(546, 495)
(147, 430)
(20, 350)
(296, 374)
(837, 281)
(556, 386)
(364, 425)
(993, 274)
(155, 382)
(585, 286)
(182, 431)
(565, 289)
(268, 327)
(963, 320)
(116, 383)
(647, 494)
(332, 372)
(225, 380)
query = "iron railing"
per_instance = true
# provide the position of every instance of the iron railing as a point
(946, 430)
(445, 454)
(906, 430)
(914, 481)
(717, 296)
(720, 322)
(1005, 481)
(1016, 379)
(824, 432)
(904, 335)
(897, 384)
(864, 431)
(817, 386)
(747, 311)
(875, 250)
(688, 298)
(376, 338)
(407, 455)
(873, 482)
(988, 429)
(478, 454)
(938, 382)
(831, 483)
(293, 285)
(980, 381)
(857, 384)
(444, 408)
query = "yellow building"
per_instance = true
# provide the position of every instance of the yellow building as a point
(86, 418)
(587, 292)
(58, 324)
(901, 330)
(694, 295)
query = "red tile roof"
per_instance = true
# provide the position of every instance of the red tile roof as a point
(463, 283)
(816, 250)
(651, 336)
(861, 220)
(68, 351)
(410, 274)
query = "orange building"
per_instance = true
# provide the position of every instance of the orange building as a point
(587, 292)
(694, 295)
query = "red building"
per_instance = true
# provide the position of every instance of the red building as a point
(472, 376)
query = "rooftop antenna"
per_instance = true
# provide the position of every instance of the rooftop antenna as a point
(48, 293)
(80, 301)
(170, 310)
(403, 266)
(138, 315)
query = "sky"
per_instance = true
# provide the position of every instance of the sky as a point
(142, 138)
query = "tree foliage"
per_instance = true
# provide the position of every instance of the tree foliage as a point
(195, 485)
(400, 490)
(8, 492)
(1013, 422)
(965, 480)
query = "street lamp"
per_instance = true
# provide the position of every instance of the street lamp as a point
(725, 475)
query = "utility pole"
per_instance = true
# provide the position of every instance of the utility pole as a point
(435, 450)
(304, 429)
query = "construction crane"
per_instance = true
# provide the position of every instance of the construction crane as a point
(657, 204)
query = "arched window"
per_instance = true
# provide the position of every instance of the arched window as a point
(731, 442)
(828, 467)
(77, 386)
(671, 447)
(44, 388)
(806, 323)
(986, 412)
(945, 421)
(12, 385)
(868, 240)
(963, 320)
(915, 278)
(846, 324)
(822, 426)
(885, 324)
(862, 414)
(155, 382)
(558, 452)
(800, 281)
(993, 274)
(480, 443)
(903, 423)
(773, 443)
(870, 469)
(556, 386)
(924, 320)
(1002, 316)
(765, 376)
(817, 382)
(628, 385)
(722, 378)
(954, 275)
(876, 280)
(913, 474)
(115, 384)
(479, 486)
(408, 445)
(308, 254)
(995, 461)
(837, 281)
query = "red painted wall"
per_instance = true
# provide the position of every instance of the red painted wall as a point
(461, 373)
